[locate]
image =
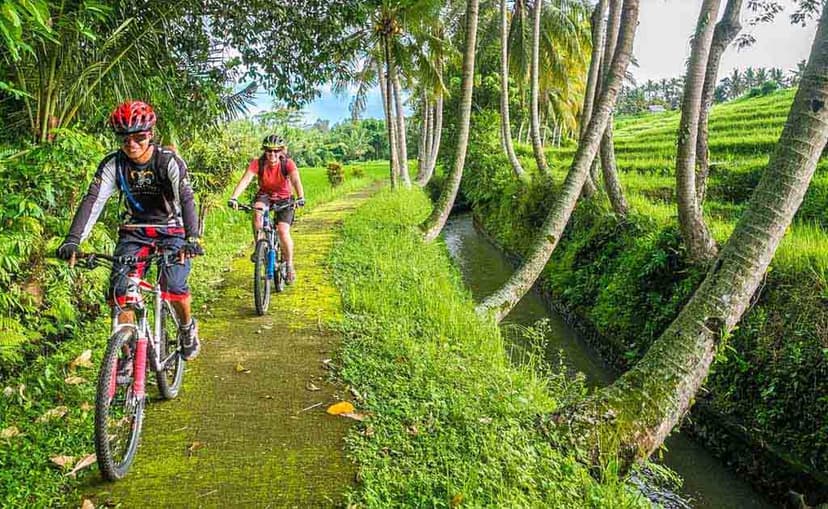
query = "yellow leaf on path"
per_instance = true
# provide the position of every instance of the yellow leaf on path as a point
(74, 380)
(87, 504)
(9, 432)
(343, 407)
(83, 463)
(62, 461)
(84, 360)
(55, 413)
(196, 445)
(241, 369)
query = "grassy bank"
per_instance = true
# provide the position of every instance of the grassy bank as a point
(625, 280)
(28, 440)
(449, 420)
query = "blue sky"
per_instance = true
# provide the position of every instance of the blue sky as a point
(662, 45)
(328, 106)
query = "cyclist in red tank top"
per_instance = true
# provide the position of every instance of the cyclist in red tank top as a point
(278, 177)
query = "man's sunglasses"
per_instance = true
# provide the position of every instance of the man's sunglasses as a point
(136, 137)
(274, 150)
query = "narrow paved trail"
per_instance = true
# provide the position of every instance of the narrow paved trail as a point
(257, 436)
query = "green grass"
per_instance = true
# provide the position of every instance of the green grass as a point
(27, 477)
(627, 279)
(450, 419)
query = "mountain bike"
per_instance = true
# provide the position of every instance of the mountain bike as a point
(133, 349)
(270, 270)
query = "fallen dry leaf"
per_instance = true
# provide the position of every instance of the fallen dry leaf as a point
(485, 420)
(84, 360)
(456, 500)
(9, 432)
(62, 461)
(85, 462)
(196, 445)
(355, 393)
(87, 504)
(311, 387)
(343, 407)
(55, 413)
(86, 406)
(74, 380)
(241, 369)
(412, 430)
(367, 432)
(353, 415)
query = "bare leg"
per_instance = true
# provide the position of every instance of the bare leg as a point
(286, 242)
(183, 310)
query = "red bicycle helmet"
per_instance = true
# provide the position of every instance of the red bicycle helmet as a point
(132, 117)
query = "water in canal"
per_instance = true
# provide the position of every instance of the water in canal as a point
(707, 483)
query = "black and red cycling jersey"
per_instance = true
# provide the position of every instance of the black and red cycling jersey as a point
(157, 194)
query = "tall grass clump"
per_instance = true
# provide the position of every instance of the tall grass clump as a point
(450, 421)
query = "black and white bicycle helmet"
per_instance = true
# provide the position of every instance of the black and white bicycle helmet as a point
(273, 141)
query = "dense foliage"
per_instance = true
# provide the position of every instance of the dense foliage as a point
(625, 280)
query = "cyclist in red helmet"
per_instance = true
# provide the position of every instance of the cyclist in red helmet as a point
(278, 177)
(160, 212)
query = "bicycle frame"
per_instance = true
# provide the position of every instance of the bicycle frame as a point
(148, 338)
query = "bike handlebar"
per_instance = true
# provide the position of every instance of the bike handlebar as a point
(275, 208)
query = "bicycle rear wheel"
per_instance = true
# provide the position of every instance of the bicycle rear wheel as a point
(261, 283)
(119, 414)
(170, 373)
(279, 271)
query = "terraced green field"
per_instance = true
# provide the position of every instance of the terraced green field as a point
(743, 133)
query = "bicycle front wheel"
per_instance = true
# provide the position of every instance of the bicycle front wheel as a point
(170, 373)
(261, 283)
(119, 414)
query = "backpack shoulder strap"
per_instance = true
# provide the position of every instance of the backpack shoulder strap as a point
(262, 165)
(284, 167)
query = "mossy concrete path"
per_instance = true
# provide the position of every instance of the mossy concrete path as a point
(250, 428)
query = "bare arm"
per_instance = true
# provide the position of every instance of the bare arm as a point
(297, 184)
(242, 185)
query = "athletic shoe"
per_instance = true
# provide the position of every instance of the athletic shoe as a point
(188, 337)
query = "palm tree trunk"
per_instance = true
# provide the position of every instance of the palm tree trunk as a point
(537, 146)
(635, 414)
(422, 145)
(612, 184)
(438, 132)
(598, 34)
(726, 30)
(505, 123)
(402, 144)
(503, 300)
(700, 245)
(593, 88)
(434, 224)
(385, 88)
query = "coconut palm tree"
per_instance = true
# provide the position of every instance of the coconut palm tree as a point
(700, 244)
(501, 302)
(726, 30)
(505, 124)
(634, 415)
(433, 225)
